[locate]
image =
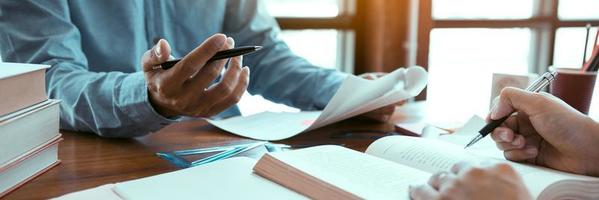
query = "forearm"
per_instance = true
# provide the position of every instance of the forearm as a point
(283, 77)
(112, 104)
(277, 73)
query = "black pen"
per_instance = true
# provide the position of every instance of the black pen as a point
(229, 53)
(536, 86)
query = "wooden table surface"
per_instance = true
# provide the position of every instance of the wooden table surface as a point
(90, 161)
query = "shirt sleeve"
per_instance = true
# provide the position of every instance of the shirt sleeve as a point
(110, 104)
(275, 72)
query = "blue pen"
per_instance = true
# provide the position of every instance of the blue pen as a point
(226, 154)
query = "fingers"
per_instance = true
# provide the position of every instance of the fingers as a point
(210, 72)
(401, 103)
(227, 91)
(517, 143)
(158, 54)
(196, 59)
(382, 114)
(503, 134)
(521, 154)
(460, 167)
(423, 192)
(512, 99)
(372, 75)
(228, 82)
(440, 178)
(515, 146)
(235, 96)
(506, 139)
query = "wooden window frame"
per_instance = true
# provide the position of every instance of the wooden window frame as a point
(543, 24)
(345, 22)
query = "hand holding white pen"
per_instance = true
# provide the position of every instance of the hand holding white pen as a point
(536, 86)
(546, 131)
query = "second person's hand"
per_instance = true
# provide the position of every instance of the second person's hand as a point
(546, 131)
(186, 89)
(499, 181)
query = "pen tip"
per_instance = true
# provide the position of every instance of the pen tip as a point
(258, 48)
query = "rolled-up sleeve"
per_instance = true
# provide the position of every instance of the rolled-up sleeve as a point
(277, 73)
(111, 104)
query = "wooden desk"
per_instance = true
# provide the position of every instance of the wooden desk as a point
(89, 161)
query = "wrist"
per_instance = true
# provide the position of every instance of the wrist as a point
(590, 154)
(154, 102)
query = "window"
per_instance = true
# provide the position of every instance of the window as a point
(482, 9)
(306, 24)
(462, 61)
(304, 8)
(578, 9)
(468, 40)
(303, 43)
(569, 45)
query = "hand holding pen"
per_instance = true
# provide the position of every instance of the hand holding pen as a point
(535, 87)
(546, 131)
(187, 88)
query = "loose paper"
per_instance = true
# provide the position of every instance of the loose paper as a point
(462, 136)
(355, 96)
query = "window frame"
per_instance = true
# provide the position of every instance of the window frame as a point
(543, 24)
(345, 23)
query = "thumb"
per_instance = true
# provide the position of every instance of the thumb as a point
(158, 54)
(513, 99)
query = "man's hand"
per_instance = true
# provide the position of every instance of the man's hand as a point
(185, 89)
(464, 182)
(382, 114)
(546, 131)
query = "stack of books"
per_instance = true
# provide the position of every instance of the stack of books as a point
(29, 122)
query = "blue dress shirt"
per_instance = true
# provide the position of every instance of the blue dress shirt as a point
(95, 47)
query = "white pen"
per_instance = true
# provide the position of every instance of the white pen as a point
(536, 86)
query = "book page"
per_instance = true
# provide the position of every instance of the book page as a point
(427, 155)
(485, 147)
(539, 178)
(433, 156)
(360, 174)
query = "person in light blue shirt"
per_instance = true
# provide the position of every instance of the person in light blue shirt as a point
(101, 65)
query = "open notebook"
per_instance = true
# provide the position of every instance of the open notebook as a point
(354, 97)
(391, 164)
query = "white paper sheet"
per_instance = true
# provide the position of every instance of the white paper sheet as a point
(462, 136)
(355, 96)
(226, 179)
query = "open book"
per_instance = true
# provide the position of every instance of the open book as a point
(391, 164)
(354, 97)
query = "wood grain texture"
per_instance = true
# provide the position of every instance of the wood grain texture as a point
(90, 161)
